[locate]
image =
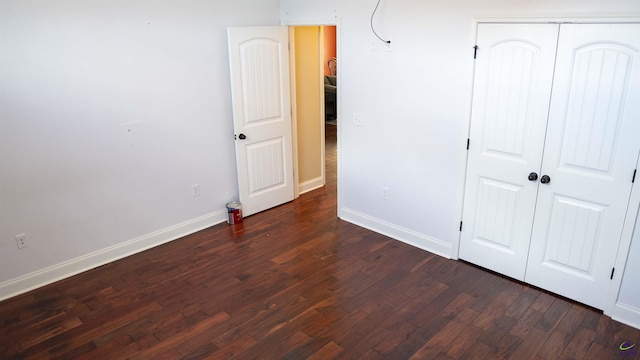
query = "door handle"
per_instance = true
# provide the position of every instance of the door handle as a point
(533, 176)
(545, 179)
(242, 136)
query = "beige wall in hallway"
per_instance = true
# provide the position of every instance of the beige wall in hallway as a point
(308, 103)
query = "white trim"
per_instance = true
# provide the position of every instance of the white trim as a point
(338, 26)
(312, 22)
(628, 229)
(321, 101)
(464, 161)
(407, 236)
(627, 314)
(311, 185)
(83, 263)
(294, 110)
(604, 18)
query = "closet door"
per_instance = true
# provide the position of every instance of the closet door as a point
(512, 85)
(592, 143)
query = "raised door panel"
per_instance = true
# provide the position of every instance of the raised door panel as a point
(512, 87)
(590, 154)
(265, 165)
(261, 74)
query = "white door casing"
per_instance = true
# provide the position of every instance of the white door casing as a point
(592, 144)
(260, 88)
(512, 86)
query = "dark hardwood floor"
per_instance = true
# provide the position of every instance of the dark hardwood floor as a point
(295, 282)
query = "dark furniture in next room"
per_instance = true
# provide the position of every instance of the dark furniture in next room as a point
(330, 90)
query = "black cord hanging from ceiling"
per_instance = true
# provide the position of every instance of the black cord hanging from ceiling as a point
(374, 30)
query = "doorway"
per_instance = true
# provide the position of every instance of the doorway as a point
(314, 104)
(275, 166)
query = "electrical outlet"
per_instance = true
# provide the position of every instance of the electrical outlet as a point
(388, 47)
(195, 190)
(21, 240)
(358, 119)
(384, 193)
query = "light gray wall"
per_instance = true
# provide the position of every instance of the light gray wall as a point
(72, 72)
(416, 100)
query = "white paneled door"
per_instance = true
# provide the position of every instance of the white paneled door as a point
(514, 72)
(554, 143)
(593, 140)
(260, 88)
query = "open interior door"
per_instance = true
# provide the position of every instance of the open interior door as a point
(260, 90)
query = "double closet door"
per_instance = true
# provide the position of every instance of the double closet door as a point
(554, 142)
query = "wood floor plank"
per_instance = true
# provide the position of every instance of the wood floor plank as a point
(522, 304)
(526, 322)
(201, 343)
(530, 345)
(66, 342)
(296, 282)
(479, 351)
(562, 333)
(579, 344)
(327, 352)
(395, 338)
(370, 355)
(467, 339)
(441, 341)
(234, 348)
(553, 315)
(364, 343)
(504, 347)
(172, 343)
(288, 334)
(600, 352)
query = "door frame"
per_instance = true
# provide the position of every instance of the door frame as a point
(294, 126)
(293, 67)
(628, 227)
(633, 207)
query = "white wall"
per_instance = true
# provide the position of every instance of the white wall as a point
(416, 102)
(72, 72)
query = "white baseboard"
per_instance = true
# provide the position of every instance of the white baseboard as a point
(407, 236)
(75, 266)
(626, 314)
(311, 185)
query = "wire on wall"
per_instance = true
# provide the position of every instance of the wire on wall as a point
(374, 30)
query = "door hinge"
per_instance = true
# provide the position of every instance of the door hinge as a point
(475, 51)
(633, 179)
(460, 225)
(468, 140)
(612, 271)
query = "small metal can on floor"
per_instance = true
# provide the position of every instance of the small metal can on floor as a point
(234, 213)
